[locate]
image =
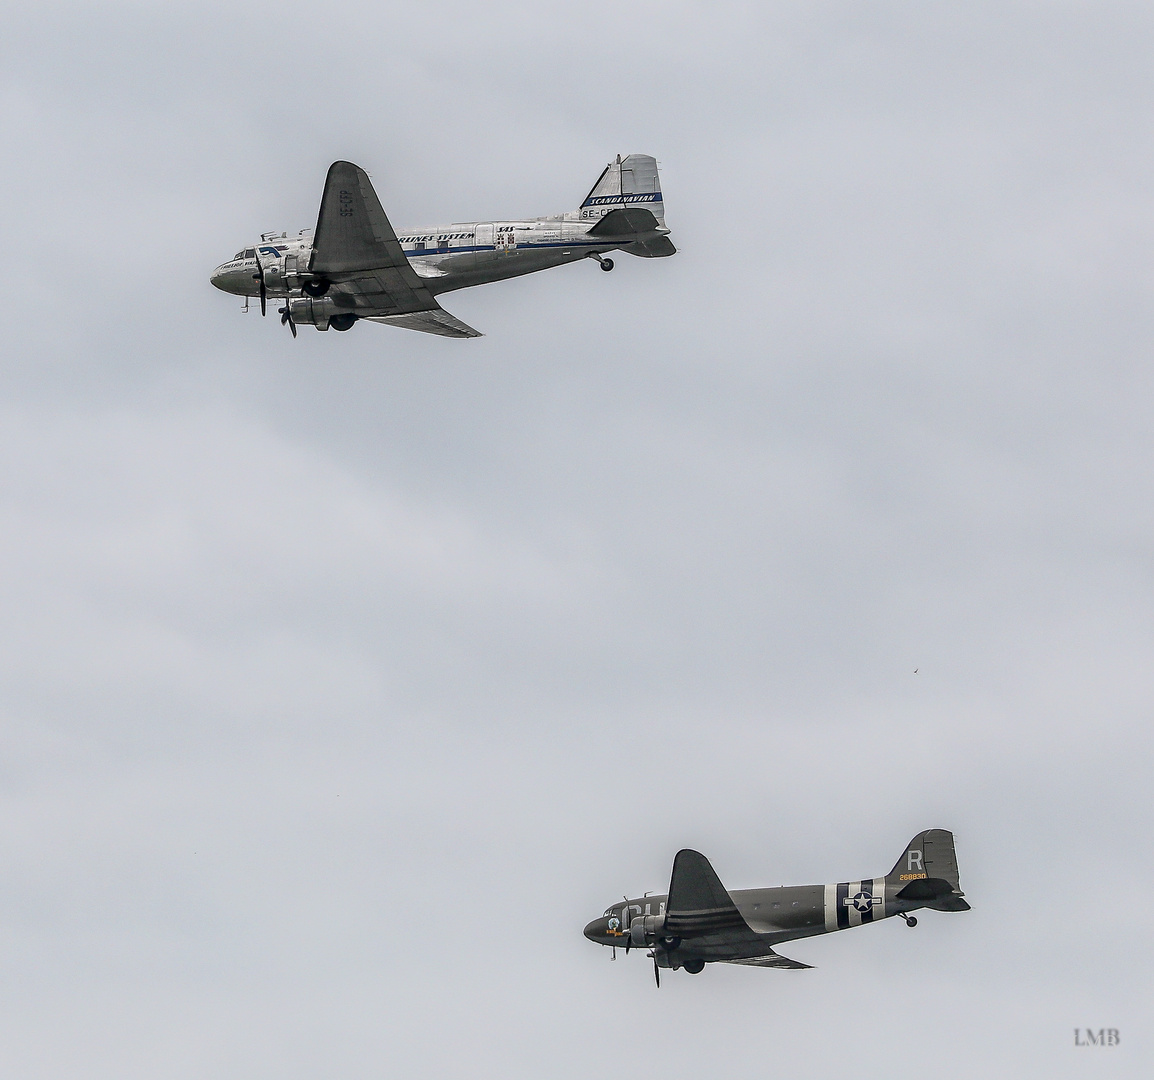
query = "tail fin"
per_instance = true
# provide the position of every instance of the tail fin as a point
(927, 873)
(630, 182)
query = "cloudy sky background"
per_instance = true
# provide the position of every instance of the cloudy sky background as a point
(344, 679)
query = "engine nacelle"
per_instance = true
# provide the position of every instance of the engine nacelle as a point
(312, 311)
(645, 929)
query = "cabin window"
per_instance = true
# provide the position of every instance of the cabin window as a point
(420, 246)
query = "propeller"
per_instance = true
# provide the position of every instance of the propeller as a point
(258, 277)
(286, 314)
(656, 970)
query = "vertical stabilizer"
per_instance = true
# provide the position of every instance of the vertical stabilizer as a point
(927, 873)
(631, 181)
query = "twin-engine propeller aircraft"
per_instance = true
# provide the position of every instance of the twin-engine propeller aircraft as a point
(699, 922)
(354, 266)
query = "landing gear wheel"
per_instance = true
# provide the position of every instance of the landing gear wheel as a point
(343, 321)
(912, 921)
(316, 287)
(606, 265)
(694, 967)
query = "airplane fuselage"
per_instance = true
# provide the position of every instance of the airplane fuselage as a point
(446, 257)
(781, 914)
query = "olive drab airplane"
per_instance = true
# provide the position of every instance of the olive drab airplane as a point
(354, 267)
(699, 922)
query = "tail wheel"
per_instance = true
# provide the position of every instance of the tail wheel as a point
(607, 265)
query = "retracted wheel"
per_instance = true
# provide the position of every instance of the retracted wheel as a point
(316, 287)
(606, 265)
(343, 320)
(694, 967)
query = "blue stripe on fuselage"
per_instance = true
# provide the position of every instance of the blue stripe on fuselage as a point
(622, 200)
(426, 252)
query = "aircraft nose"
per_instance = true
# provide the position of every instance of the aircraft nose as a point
(234, 278)
(597, 930)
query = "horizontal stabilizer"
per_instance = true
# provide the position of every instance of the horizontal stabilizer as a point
(926, 889)
(638, 225)
(652, 247)
(936, 893)
(438, 321)
(770, 960)
(627, 221)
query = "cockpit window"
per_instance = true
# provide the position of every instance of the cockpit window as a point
(238, 255)
(250, 253)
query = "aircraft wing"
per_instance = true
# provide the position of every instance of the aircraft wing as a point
(701, 912)
(356, 249)
(769, 960)
(438, 321)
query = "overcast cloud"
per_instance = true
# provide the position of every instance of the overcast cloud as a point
(344, 679)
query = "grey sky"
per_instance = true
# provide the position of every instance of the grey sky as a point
(343, 680)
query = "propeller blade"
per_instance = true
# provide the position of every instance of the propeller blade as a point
(656, 972)
(286, 317)
(258, 277)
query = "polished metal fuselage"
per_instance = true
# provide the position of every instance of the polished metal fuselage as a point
(446, 257)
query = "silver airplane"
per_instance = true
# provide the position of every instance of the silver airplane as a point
(353, 266)
(699, 922)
